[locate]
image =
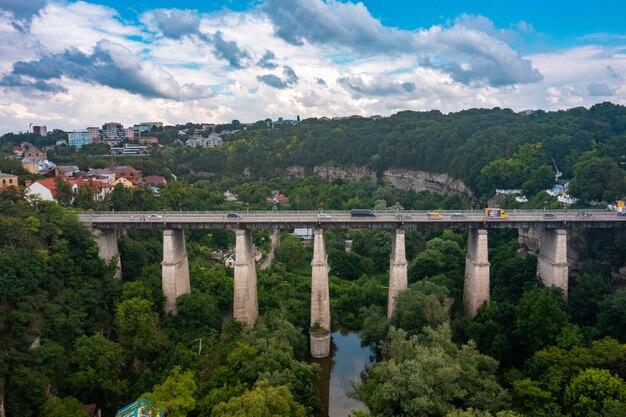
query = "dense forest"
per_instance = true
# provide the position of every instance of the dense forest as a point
(71, 334)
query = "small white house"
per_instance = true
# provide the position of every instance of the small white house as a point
(41, 190)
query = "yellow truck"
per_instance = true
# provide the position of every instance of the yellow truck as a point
(496, 212)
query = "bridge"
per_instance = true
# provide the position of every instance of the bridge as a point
(552, 266)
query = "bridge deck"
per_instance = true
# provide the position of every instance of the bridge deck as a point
(343, 219)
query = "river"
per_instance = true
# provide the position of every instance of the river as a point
(346, 361)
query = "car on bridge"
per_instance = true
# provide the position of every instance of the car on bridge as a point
(233, 215)
(496, 212)
(362, 213)
(548, 215)
(583, 215)
(403, 216)
(434, 215)
(457, 215)
(323, 216)
(155, 216)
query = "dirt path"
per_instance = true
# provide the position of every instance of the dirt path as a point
(274, 239)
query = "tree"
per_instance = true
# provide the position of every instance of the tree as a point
(99, 364)
(612, 316)
(138, 328)
(540, 317)
(596, 392)
(290, 252)
(25, 392)
(597, 178)
(422, 304)
(264, 400)
(175, 396)
(428, 375)
(470, 412)
(62, 407)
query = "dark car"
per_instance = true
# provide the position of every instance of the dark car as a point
(233, 215)
(362, 213)
(621, 213)
(583, 215)
(548, 215)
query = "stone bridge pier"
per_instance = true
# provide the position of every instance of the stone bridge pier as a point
(476, 284)
(398, 270)
(552, 267)
(107, 248)
(320, 299)
(246, 308)
(174, 268)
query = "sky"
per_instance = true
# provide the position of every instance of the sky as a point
(73, 64)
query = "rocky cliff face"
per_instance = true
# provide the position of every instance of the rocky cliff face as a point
(330, 173)
(404, 179)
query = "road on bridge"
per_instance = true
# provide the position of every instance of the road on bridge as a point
(344, 219)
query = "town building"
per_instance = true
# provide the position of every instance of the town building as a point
(33, 152)
(47, 189)
(197, 141)
(155, 180)
(7, 180)
(130, 149)
(228, 196)
(149, 140)
(132, 133)
(131, 174)
(79, 138)
(147, 126)
(124, 182)
(112, 133)
(104, 175)
(95, 133)
(40, 130)
(18, 151)
(66, 171)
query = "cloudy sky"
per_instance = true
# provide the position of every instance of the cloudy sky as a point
(72, 64)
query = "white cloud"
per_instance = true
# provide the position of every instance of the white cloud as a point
(468, 62)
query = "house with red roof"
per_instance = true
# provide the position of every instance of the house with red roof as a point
(47, 189)
(155, 180)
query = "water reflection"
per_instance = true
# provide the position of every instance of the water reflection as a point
(346, 361)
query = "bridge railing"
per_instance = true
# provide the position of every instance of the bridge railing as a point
(331, 212)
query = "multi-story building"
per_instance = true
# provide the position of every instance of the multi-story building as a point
(147, 126)
(132, 133)
(95, 133)
(197, 141)
(112, 133)
(40, 130)
(79, 138)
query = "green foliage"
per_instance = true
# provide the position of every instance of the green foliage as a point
(612, 316)
(597, 178)
(98, 363)
(470, 412)
(595, 392)
(422, 304)
(62, 407)
(290, 252)
(540, 317)
(429, 375)
(25, 392)
(264, 400)
(175, 396)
